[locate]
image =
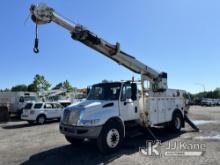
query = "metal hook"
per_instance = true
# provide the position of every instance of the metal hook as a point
(35, 49)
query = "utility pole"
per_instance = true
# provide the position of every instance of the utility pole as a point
(202, 85)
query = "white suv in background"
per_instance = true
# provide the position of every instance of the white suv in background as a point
(41, 111)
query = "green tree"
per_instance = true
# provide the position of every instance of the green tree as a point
(19, 88)
(216, 93)
(58, 86)
(64, 85)
(32, 88)
(5, 90)
(207, 94)
(39, 83)
(67, 86)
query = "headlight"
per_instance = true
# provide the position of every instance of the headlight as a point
(89, 122)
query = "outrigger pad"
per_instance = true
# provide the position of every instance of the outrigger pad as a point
(191, 123)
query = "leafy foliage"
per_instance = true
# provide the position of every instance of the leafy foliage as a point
(64, 85)
(32, 88)
(19, 88)
(58, 86)
(208, 94)
(40, 83)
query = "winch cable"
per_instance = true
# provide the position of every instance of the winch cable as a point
(35, 49)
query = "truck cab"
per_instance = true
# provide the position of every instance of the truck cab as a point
(105, 100)
(112, 102)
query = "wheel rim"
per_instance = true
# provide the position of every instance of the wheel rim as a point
(177, 123)
(113, 138)
(41, 120)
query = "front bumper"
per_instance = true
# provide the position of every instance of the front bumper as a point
(91, 132)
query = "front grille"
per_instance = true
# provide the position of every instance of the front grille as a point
(71, 117)
(66, 115)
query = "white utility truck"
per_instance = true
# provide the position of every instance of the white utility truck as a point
(15, 101)
(112, 108)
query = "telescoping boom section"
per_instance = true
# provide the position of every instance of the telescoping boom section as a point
(43, 14)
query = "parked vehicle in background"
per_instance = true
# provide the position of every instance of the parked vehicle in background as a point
(209, 102)
(41, 111)
(15, 101)
(215, 102)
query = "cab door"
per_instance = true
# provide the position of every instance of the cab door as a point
(128, 106)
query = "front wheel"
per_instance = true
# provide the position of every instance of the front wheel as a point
(110, 138)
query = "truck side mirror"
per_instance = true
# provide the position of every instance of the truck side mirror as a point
(134, 91)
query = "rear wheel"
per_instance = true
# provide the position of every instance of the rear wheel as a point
(111, 137)
(176, 123)
(41, 119)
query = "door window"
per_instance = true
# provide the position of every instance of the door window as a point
(57, 106)
(38, 106)
(48, 106)
(28, 106)
(126, 92)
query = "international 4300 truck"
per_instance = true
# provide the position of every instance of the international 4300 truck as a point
(112, 108)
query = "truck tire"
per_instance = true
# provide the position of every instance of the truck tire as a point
(4, 114)
(74, 141)
(176, 123)
(41, 119)
(111, 137)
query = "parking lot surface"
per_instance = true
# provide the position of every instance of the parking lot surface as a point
(21, 143)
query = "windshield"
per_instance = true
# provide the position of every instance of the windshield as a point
(107, 91)
(27, 98)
